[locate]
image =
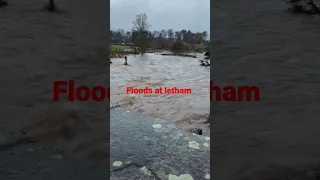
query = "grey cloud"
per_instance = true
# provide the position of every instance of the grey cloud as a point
(162, 14)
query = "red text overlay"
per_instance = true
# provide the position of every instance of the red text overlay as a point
(160, 90)
(232, 93)
(81, 93)
(100, 93)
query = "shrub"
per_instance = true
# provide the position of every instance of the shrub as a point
(178, 45)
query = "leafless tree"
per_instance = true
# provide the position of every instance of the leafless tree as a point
(205, 35)
(128, 34)
(170, 33)
(141, 35)
(164, 33)
(141, 23)
(155, 34)
(121, 31)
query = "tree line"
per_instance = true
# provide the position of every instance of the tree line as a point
(141, 36)
(122, 36)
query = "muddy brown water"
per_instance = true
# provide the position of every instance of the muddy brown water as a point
(37, 48)
(259, 43)
(156, 71)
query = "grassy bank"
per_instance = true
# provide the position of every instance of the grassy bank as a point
(119, 51)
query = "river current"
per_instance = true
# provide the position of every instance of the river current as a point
(154, 71)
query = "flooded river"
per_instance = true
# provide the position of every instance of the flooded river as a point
(154, 71)
(38, 48)
(260, 43)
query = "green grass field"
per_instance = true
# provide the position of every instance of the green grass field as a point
(119, 48)
(117, 51)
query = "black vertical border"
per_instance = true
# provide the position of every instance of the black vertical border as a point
(108, 80)
(211, 77)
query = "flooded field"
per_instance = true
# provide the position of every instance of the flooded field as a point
(154, 71)
(259, 43)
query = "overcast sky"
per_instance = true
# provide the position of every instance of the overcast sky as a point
(162, 14)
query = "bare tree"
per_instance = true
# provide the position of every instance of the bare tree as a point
(156, 34)
(141, 23)
(163, 33)
(205, 35)
(141, 35)
(128, 34)
(177, 35)
(170, 33)
(121, 31)
(183, 33)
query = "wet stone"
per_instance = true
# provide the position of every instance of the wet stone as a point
(133, 172)
(196, 131)
(176, 154)
(117, 163)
